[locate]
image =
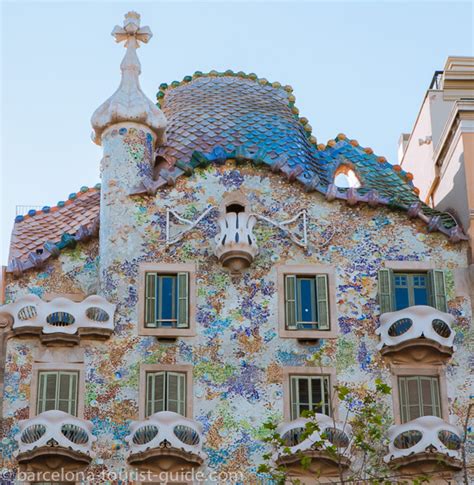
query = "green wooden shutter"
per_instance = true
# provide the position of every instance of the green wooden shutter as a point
(323, 301)
(438, 290)
(67, 392)
(176, 392)
(183, 300)
(294, 398)
(290, 301)
(47, 391)
(150, 299)
(402, 393)
(385, 290)
(155, 392)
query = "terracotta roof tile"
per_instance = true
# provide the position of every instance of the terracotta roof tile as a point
(31, 232)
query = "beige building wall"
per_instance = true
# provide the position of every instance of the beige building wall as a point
(440, 149)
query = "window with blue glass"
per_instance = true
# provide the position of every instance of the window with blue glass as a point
(166, 300)
(399, 290)
(306, 302)
(410, 289)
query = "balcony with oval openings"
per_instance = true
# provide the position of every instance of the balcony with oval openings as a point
(61, 321)
(326, 447)
(417, 334)
(235, 244)
(424, 445)
(165, 441)
(54, 440)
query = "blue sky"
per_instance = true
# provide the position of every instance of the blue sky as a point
(357, 68)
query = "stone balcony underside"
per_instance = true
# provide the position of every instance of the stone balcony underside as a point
(327, 447)
(416, 334)
(54, 440)
(236, 246)
(424, 445)
(61, 321)
(165, 441)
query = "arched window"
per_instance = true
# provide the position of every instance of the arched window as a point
(345, 177)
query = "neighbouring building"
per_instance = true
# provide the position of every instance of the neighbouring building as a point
(440, 149)
(156, 321)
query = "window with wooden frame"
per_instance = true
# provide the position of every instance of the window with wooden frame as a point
(419, 396)
(306, 302)
(402, 289)
(309, 393)
(167, 299)
(165, 391)
(57, 390)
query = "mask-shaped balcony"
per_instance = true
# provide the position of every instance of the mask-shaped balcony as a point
(54, 440)
(424, 445)
(416, 334)
(165, 441)
(327, 448)
(61, 321)
(236, 246)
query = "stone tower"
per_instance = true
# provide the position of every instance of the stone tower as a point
(129, 127)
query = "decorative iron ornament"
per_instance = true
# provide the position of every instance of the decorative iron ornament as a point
(301, 241)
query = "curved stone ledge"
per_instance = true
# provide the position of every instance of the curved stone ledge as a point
(417, 333)
(319, 446)
(427, 443)
(54, 440)
(166, 441)
(61, 321)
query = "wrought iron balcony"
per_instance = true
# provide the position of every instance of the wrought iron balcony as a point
(165, 441)
(424, 444)
(54, 440)
(61, 321)
(327, 447)
(417, 333)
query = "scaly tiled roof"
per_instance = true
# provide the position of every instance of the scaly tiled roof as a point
(40, 234)
(219, 116)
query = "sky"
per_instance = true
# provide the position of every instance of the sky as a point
(359, 68)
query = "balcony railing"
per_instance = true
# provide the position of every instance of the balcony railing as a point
(416, 326)
(163, 438)
(92, 317)
(55, 435)
(437, 80)
(330, 443)
(425, 439)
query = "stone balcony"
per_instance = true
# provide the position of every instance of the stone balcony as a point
(424, 445)
(61, 321)
(327, 448)
(165, 441)
(54, 440)
(236, 246)
(416, 334)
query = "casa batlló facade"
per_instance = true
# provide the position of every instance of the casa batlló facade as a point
(156, 321)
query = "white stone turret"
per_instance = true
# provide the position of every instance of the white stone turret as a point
(128, 126)
(129, 103)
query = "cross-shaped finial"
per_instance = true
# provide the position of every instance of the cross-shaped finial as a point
(131, 30)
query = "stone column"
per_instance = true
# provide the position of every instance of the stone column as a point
(128, 126)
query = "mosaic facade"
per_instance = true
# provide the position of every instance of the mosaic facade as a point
(237, 359)
(237, 356)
